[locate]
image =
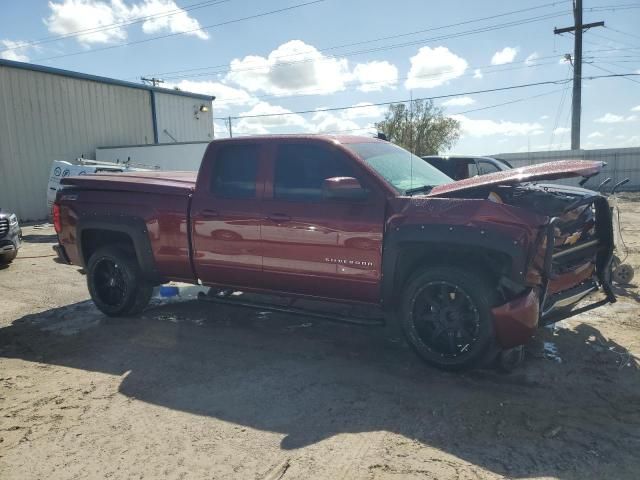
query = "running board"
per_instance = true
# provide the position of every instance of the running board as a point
(334, 317)
(556, 318)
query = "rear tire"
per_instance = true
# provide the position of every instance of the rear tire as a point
(446, 317)
(7, 258)
(116, 284)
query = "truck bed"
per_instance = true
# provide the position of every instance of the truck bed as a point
(174, 183)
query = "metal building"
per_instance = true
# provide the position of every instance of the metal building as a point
(621, 163)
(50, 114)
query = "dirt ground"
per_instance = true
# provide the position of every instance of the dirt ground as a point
(195, 390)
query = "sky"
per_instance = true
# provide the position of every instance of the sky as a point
(281, 56)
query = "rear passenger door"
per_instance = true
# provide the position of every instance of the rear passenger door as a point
(315, 245)
(226, 216)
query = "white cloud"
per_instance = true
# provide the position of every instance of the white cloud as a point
(459, 102)
(636, 108)
(374, 76)
(613, 118)
(364, 110)
(320, 122)
(221, 130)
(561, 130)
(484, 128)
(431, 67)
(71, 16)
(293, 66)
(633, 141)
(477, 73)
(544, 117)
(327, 122)
(506, 55)
(263, 125)
(530, 60)
(19, 54)
(178, 22)
(296, 66)
(595, 135)
(544, 146)
(93, 16)
(226, 96)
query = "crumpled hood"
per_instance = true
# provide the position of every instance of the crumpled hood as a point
(542, 171)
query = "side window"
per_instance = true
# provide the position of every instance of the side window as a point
(473, 169)
(235, 171)
(300, 171)
(485, 167)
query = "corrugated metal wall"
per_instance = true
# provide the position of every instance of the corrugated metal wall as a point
(46, 117)
(177, 118)
(621, 163)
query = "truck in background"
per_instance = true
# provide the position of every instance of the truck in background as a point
(62, 169)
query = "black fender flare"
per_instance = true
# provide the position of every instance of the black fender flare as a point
(134, 227)
(451, 237)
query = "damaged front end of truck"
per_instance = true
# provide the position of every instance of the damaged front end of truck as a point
(547, 247)
(570, 258)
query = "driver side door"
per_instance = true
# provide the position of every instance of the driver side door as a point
(314, 245)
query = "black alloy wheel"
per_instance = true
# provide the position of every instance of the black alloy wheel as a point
(446, 317)
(116, 283)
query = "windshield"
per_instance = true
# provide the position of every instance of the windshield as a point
(400, 168)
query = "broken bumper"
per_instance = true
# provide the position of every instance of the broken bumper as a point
(516, 321)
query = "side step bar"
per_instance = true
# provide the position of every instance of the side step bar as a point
(561, 316)
(334, 317)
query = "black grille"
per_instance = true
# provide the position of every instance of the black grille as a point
(4, 227)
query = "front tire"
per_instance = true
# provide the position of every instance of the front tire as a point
(116, 284)
(446, 317)
(7, 258)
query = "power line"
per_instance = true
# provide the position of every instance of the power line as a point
(378, 39)
(357, 84)
(387, 47)
(371, 126)
(518, 100)
(604, 37)
(207, 27)
(610, 71)
(187, 77)
(560, 107)
(623, 33)
(111, 26)
(474, 92)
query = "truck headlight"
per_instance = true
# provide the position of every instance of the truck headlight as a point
(13, 220)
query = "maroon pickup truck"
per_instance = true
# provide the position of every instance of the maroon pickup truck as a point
(468, 268)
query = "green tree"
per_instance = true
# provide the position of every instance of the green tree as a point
(423, 129)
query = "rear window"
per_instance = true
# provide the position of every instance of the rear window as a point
(235, 171)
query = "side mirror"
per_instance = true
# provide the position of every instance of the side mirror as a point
(343, 188)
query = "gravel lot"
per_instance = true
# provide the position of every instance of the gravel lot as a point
(194, 390)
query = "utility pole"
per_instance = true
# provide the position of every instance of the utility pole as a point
(153, 81)
(576, 104)
(230, 129)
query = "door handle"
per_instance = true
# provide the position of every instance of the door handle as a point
(208, 213)
(279, 217)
